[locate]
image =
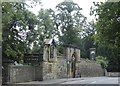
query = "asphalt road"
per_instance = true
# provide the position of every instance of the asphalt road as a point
(96, 81)
(84, 81)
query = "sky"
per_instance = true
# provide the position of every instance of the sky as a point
(84, 4)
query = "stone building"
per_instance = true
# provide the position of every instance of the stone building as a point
(49, 59)
(46, 67)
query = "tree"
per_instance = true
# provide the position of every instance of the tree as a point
(87, 41)
(102, 61)
(16, 21)
(69, 22)
(45, 29)
(107, 28)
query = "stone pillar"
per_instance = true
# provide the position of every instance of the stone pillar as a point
(55, 54)
(78, 54)
(46, 53)
(67, 53)
(92, 53)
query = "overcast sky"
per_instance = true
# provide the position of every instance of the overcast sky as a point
(84, 4)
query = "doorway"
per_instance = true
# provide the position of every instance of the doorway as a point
(73, 65)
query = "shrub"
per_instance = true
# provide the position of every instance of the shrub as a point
(102, 61)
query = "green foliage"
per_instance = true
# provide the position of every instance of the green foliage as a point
(16, 22)
(46, 24)
(72, 27)
(107, 26)
(69, 22)
(102, 61)
(45, 29)
(107, 30)
(0, 35)
(66, 24)
(87, 41)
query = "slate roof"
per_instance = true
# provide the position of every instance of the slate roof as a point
(71, 46)
(49, 41)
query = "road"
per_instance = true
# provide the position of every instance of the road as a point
(90, 81)
(84, 81)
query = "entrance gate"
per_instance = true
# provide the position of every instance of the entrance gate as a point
(73, 65)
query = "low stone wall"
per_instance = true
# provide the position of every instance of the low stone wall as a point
(21, 73)
(90, 69)
(52, 70)
(49, 70)
(38, 72)
(113, 74)
(61, 68)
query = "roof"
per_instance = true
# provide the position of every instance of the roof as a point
(49, 41)
(71, 46)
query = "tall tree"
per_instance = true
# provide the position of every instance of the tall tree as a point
(87, 41)
(45, 29)
(69, 22)
(107, 27)
(16, 21)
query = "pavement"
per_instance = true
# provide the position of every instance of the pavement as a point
(84, 81)
(95, 81)
(52, 81)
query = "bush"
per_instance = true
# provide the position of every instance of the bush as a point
(102, 61)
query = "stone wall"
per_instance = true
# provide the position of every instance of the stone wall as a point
(21, 73)
(49, 70)
(61, 68)
(113, 74)
(70, 51)
(90, 68)
(38, 72)
(52, 70)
